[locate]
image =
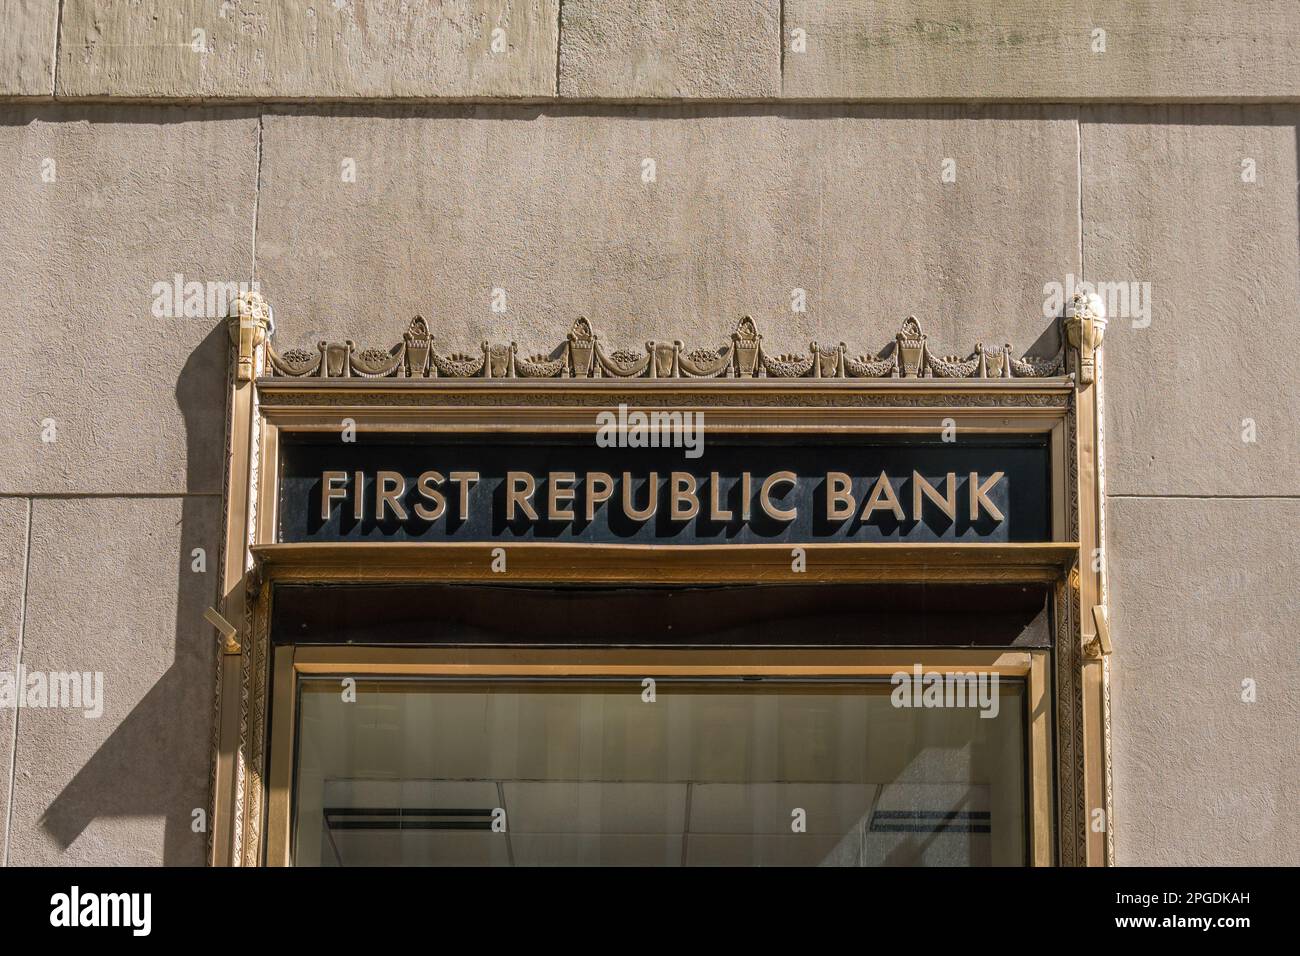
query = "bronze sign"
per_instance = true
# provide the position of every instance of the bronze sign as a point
(490, 488)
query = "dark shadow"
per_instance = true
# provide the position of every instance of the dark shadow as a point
(902, 615)
(728, 496)
(520, 525)
(622, 525)
(1048, 342)
(157, 761)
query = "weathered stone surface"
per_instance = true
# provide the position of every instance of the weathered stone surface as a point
(1041, 50)
(112, 590)
(94, 215)
(745, 207)
(297, 48)
(27, 47)
(1164, 203)
(13, 551)
(1202, 777)
(670, 49)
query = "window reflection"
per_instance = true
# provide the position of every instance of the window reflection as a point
(778, 773)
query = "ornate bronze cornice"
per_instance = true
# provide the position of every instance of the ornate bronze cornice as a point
(582, 355)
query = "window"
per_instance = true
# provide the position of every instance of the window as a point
(678, 772)
(485, 725)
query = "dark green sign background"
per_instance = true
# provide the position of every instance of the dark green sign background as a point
(1022, 495)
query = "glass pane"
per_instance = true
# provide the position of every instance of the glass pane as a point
(558, 772)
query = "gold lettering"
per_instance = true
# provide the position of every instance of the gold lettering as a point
(465, 479)
(329, 493)
(390, 486)
(358, 495)
(555, 493)
(651, 507)
(765, 499)
(684, 504)
(746, 492)
(980, 493)
(840, 503)
(716, 512)
(882, 496)
(599, 487)
(425, 486)
(516, 495)
(947, 502)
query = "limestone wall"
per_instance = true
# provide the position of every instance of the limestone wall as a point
(364, 162)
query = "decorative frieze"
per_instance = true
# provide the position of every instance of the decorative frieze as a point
(582, 354)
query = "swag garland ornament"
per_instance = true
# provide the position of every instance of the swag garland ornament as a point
(583, 355)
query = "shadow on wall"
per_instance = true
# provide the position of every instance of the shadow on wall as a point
(156, 762)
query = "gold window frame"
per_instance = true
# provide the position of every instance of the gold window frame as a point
(291, 662)
(1069, 757)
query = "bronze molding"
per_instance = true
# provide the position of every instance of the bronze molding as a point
(546, 562)
(1085, 328)
(582, 355)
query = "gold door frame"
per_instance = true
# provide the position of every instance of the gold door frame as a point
(746, 392)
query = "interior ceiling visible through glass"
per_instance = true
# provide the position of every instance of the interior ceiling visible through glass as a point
(561, 772)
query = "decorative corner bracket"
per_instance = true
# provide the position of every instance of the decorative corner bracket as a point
(1085, 327)
(1100, 645)
(249, 324)
(229, 635)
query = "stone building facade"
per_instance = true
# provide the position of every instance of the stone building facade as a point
(502, 167)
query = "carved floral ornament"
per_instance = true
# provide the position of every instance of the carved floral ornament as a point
(583, 355)
(1085, 327)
